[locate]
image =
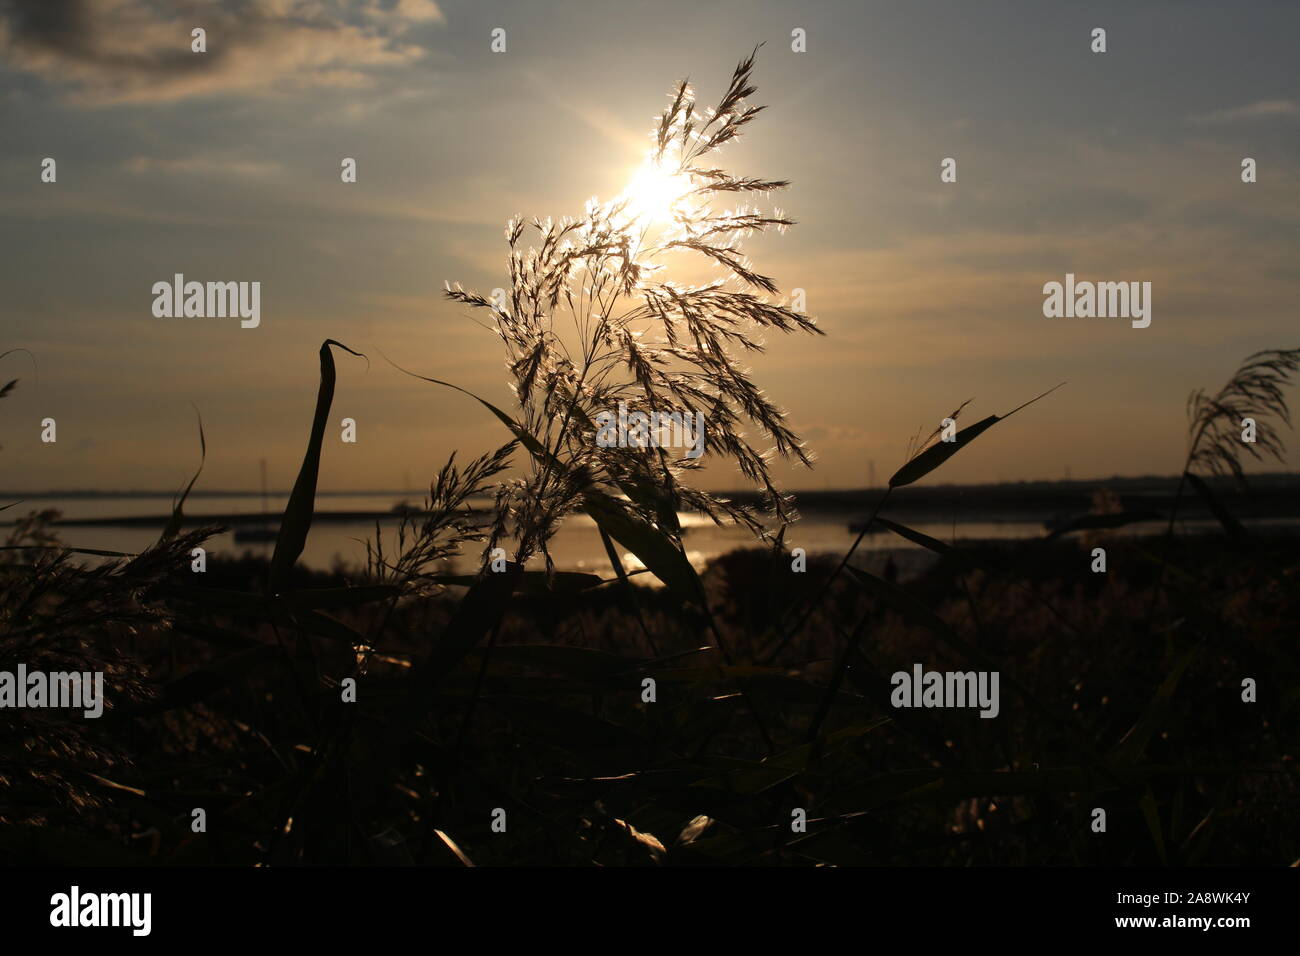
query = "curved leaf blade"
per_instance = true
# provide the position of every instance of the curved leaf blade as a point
(302, 500)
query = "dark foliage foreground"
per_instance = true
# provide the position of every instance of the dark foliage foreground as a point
(218, 703)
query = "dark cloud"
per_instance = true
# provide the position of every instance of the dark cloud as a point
(123, 51)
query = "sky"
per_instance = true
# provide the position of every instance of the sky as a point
(225, 165)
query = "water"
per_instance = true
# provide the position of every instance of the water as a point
(576, 547)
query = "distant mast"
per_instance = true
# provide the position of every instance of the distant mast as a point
(260, 531)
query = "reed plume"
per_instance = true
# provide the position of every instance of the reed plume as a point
(1255, 392)
(589, 320)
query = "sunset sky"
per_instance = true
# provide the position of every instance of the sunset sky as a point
(1122, 166)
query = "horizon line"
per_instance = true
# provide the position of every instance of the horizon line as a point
(233, 492)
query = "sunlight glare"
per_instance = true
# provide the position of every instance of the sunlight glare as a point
(654, 193)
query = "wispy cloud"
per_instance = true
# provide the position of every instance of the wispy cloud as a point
(199, 166)
(1263, 109)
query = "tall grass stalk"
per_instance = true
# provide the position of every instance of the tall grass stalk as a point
(591, 318)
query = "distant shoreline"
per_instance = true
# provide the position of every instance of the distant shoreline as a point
(1268, 496)
(1117, 483)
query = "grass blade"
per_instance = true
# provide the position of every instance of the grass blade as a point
(1230, 524)
(302, 500)
(934, 456)
(174, 523)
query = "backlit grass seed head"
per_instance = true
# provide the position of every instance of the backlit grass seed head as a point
(590, 319)
(1256, 392)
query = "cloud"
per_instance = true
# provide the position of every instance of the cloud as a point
(828, 433)
(414, 10)
(199, 166)
(1263, 109)
(138, 51)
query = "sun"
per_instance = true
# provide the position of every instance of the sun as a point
(654, 192)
